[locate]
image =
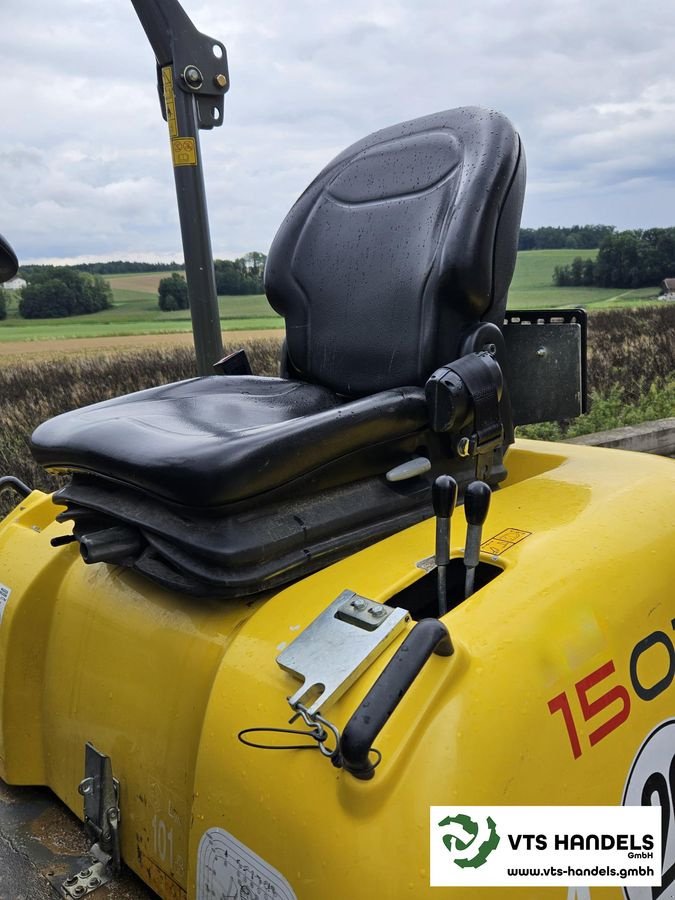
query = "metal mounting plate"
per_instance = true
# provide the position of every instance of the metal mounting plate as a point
(87, 881)
(546, 352)
(340, 644)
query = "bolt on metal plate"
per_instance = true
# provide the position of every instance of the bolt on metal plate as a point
(340, 644)
(428, 564)
(86, 881)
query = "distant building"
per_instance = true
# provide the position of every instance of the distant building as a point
(17, 283)
(668, 289)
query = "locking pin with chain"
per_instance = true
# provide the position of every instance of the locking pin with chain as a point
(324, 733)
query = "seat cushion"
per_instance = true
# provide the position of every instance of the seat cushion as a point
(209, 442)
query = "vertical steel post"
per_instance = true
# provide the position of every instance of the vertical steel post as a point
(182, 120)
(192, 80)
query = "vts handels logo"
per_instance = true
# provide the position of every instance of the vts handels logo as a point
(469, 843)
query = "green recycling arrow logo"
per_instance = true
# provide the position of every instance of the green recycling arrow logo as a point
(461, 839)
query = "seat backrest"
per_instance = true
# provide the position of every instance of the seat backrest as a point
(402, 241)
(8, 261)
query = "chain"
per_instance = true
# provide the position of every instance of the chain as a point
(321, 727)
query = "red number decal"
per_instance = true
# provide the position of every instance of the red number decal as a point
(563, 704)
(591, 708)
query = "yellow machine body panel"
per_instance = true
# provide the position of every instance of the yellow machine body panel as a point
(556, 681)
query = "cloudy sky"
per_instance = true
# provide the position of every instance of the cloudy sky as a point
(84, 160)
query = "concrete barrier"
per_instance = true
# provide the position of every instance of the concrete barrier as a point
(649, 437)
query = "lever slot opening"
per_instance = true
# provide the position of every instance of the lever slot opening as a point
(421, 597)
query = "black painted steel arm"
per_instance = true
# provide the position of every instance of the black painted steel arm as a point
(192, 80)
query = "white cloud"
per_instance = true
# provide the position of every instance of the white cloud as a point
(84, 162)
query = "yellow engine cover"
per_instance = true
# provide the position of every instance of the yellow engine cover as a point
(564, 664)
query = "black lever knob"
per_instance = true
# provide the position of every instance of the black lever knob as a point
(444, 498)
(477, 502)
(476, 505)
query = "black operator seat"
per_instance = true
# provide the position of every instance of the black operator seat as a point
(402, 242)
(9, 264)
(394, 262)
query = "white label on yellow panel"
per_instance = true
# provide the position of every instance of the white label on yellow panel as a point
(4, 597)
(227, 868)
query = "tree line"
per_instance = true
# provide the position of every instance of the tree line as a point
(238, 276)
(114, 267)
(626, 259)
(574, 237)
(58, 291)
(233, 277)
(54, 292)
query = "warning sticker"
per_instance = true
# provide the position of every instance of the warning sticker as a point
(4, 597)
(503, 541)
(184, 151)
(227, 868)
(169, 101)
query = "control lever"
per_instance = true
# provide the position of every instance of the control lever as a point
(476, 504)
(444, 498)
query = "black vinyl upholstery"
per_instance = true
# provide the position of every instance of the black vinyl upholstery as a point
(8, 261)
(404, 240)
(401, 243)
(384, 270)
(208, 442)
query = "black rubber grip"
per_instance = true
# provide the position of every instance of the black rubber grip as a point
(427, 637)
(477, 502)
(444, 496)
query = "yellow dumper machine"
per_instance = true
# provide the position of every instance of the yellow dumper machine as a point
(269, 622)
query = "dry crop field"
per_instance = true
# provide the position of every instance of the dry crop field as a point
(631, 374)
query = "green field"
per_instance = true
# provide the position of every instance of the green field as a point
(533, 287)
(136, 311)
